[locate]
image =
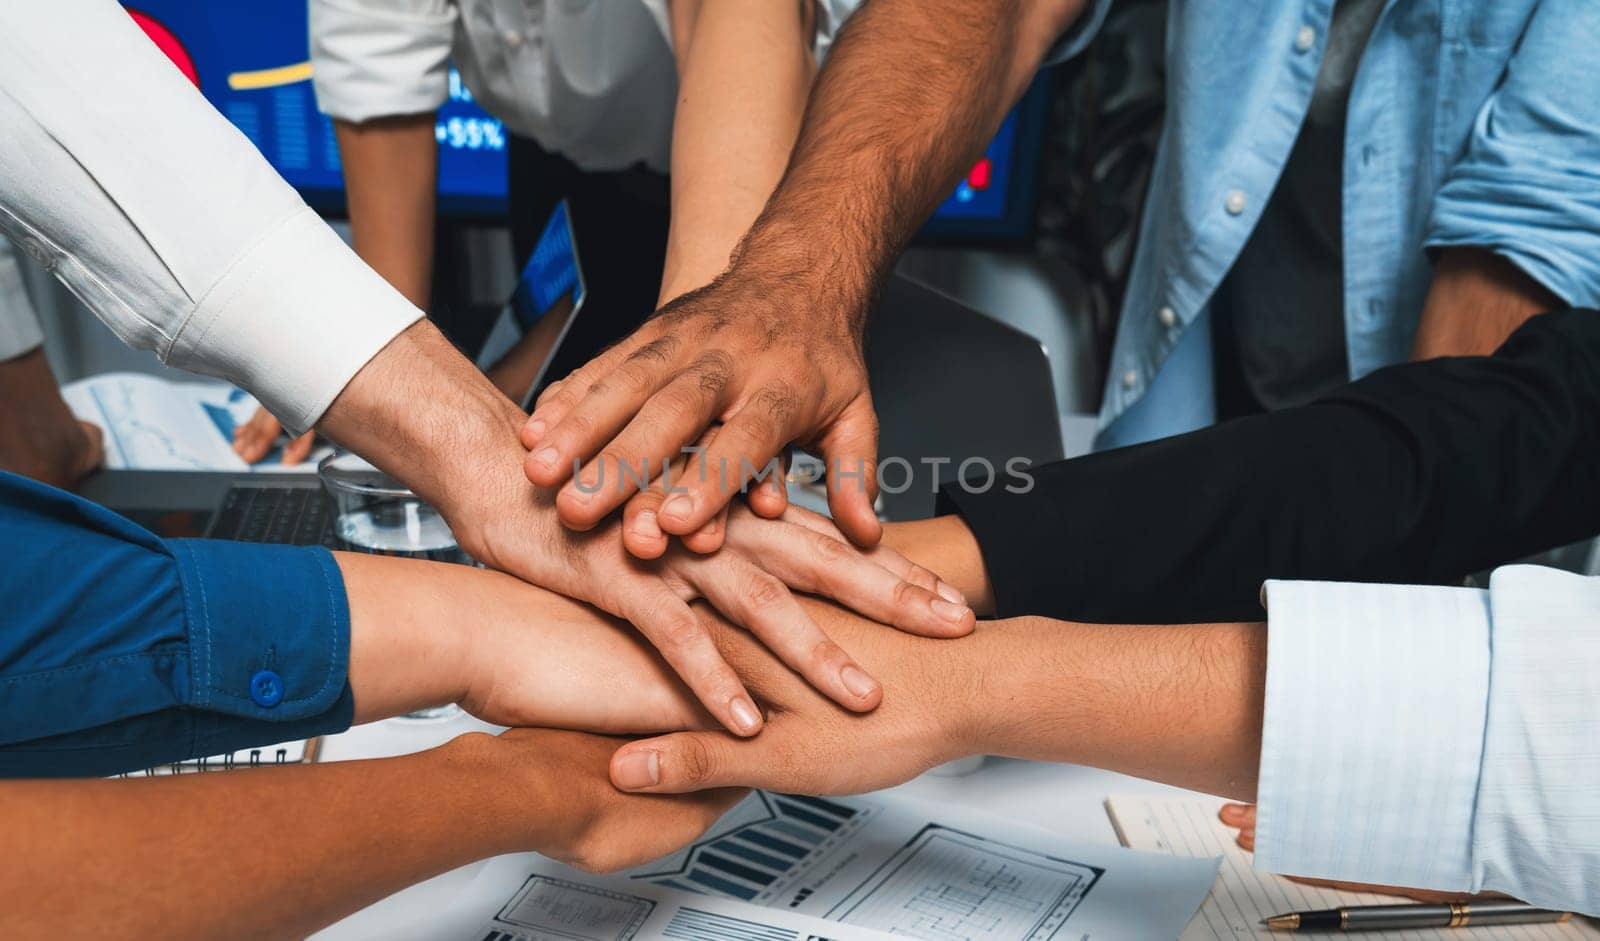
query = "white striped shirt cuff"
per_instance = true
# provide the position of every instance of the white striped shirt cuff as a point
(1373, 736)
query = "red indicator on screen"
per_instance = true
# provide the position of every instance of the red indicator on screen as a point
(980, 175)
(169, 44)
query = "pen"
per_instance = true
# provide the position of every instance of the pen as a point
(1395, 917)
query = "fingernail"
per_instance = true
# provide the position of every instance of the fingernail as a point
(645, 525)
(679, 506)
(546, 456)
(745, 717)
(948, 611)
(536, 428)
(638, 769)
(950, 594)
(857, 681)
(1231, 812)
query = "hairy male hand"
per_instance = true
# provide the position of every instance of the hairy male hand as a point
(765, 361)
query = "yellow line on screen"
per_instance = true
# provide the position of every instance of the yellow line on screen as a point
(270, 78)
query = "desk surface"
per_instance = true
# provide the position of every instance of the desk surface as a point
(1067, 799)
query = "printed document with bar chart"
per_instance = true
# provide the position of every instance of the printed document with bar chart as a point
(913, 870)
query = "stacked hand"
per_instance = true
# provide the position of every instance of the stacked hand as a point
(749, 580)
(547, 791)
(735, 352)
(458, 450)
(811, 746)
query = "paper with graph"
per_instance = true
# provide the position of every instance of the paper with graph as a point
(152, 423)
(550, 906)
(920, 871)
(1187, 826)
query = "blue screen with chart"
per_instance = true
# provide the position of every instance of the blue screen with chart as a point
(251, 60)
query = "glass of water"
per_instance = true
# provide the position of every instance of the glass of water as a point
(376, 514)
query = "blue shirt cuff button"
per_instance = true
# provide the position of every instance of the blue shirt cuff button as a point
(266, 688)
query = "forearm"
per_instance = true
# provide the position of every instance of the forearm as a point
(390, 171)
(744, 71)
(912, 92)
(1477, 300)
(1181, 705)
(270, 853)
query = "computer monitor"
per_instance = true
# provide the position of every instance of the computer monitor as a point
(252, 61)
(995, 203)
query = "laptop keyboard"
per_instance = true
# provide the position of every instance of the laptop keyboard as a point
(295, 516)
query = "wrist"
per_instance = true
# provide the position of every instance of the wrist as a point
(425, 415)
(781, 258)
(408, 648)
(514, 798)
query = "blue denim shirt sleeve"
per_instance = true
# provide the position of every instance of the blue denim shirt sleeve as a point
(120, 650)
(1528, 186)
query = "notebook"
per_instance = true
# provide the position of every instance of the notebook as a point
(286, 753)
(1241, 897)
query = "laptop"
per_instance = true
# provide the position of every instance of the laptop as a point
(524, 349)
(951, 383)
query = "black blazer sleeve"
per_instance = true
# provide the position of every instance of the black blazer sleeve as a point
(1420, 473)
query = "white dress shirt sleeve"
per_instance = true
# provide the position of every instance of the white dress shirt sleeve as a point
(167, 223)
(381, 58)
(19, 327)
(1440, 738)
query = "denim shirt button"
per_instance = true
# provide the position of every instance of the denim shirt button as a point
(266, 688)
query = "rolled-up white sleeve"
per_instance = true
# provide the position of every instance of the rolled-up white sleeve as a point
(1437, 738)
(381, 58)
(19, 326)
(166, 221)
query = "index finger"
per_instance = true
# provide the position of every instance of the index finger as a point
(746, 448)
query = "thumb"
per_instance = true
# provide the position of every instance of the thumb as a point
(689, 761)
(850, 452)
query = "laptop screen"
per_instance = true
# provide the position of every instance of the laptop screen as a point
(549, 294)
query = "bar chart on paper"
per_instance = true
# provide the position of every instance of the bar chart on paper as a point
(762, 841)
(935, 873)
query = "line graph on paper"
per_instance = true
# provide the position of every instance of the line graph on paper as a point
(134, 441)
(946, 885)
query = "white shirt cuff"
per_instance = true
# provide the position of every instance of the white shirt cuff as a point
(1371, 745)
(292, 320)
(381, 61)
(1536, 834)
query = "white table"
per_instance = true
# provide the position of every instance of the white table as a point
(1067, 799)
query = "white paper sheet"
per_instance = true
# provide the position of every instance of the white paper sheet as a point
(153, 423)
(555, 904)
(922, 871)
(1186, 826)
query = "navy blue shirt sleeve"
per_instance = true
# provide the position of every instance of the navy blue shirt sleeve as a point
(121, 650)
